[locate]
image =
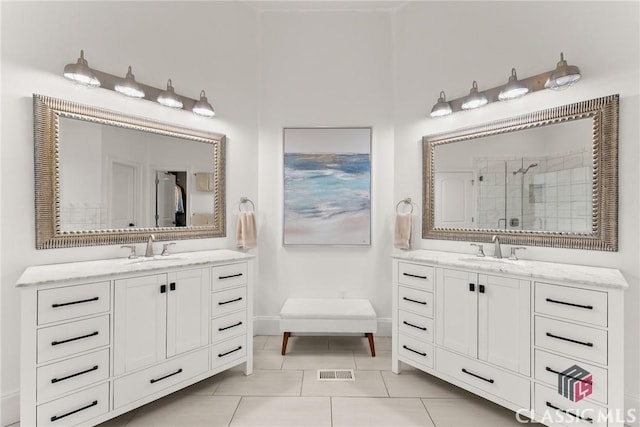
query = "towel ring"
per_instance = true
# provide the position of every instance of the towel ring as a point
(244, 200)
(406, 201)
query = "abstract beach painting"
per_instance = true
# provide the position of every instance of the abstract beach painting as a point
(327, 186)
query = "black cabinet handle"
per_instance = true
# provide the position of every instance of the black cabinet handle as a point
(472, 287)
(413, 300)
(229, 276)
(415, 275)
(57, 417)
(588, 307)
(57, 380)
(230, 301)
(163, 289)
(74, 302)
(422, 328)
(229, 352)
(548, 369)
(588, 344)
(172, 286)
(92, 334)
(155, 380)
(229, 327)
(415, 351)
(481, 289)
(477, 376)
(569, 413)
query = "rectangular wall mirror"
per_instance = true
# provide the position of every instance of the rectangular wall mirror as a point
(547, 178)
(106, 178)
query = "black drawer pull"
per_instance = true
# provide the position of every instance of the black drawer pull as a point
(172, 286)
(92, 334)
(415, 351)
(590, 420)
(57, 417)
(415, 275)
(155, 380)
(229, 352)
(230, 301)
(57, 380)
(588, 307)
(548, 369)
(422, 328)
(481, 289)
(472, 287)
(477, 376)
(229, 276)
(413, 300)
(588, 344)
(229, 327)
(74, 302)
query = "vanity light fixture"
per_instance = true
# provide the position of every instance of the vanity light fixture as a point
(475, 99)
(513, 89)
(81, 73)
(563, 76)
(129, 87)
(442, 107)
(203, 107)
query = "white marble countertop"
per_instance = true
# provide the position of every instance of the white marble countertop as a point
(567, 273)
(53, 273)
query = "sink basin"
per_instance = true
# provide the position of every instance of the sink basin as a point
(488, 260)
(156, 258)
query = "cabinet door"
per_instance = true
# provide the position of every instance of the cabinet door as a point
(187, 311)
(140, 322)
(457, 311)
(504, 316)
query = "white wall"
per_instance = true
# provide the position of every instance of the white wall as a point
(211, 46)
(447, 45)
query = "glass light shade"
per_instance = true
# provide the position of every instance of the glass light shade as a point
(129, 87)
(442, 107)
(202, 107)
(168, 97)
(563, 76)
(475, 99)
(513, 89)
(81, 73)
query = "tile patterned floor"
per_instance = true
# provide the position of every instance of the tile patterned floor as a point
(283, 392)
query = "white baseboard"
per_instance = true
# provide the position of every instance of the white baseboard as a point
(270, 325)
(632, 408)
(10, 408)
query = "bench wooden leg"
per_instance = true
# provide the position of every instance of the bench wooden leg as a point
(371, 345)
(285, 338)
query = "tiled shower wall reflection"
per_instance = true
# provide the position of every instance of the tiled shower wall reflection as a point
(545, 193)
(82, 216)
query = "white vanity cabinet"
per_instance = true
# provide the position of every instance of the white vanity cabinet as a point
(100, 338)
(545, 340)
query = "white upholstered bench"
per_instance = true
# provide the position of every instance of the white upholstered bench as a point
(327, 316)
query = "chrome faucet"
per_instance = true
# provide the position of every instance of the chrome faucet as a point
(497, 252)
(149, 251)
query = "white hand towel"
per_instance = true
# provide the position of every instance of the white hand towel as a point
(246, 233)
(402, 233)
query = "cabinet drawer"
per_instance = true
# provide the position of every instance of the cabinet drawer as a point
(75, 409)
(228, 326)
(418, 326)
(149, 381)
(549, 368)
(417, 275)
(414, 300)
(228, 351)
(70, 374)
(225, 276)
(72, 301)
(492, 380)
(228, 301)
(581, 305)
(573, 340)
(73, 337)
(416, 350)
(551, 406)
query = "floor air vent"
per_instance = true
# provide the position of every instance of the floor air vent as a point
(336, 375)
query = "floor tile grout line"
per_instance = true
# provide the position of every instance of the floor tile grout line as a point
(422, 400)
(235, 411)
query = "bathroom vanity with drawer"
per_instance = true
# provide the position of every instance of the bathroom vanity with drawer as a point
(543, 339)
(100, 338)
